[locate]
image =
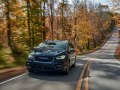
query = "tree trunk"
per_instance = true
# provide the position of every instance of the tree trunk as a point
(8, 23)
(28, 22)
(51, 19)
(44, 32)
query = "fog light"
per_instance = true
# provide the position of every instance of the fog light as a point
(28, 65)
(59, 67)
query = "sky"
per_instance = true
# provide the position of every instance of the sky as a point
(104, 2)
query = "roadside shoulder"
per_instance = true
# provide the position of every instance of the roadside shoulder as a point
(11, 72)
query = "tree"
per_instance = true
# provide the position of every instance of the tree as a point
(7, 8)
(28, 22)
(51, 7)
(115, 5)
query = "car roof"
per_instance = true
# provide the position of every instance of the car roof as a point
(56, 41)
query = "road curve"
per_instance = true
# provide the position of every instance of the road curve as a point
(105, 69)
(104, 73)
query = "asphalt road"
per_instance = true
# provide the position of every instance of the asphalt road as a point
(105, 69)
(46, 80)
(104, 73)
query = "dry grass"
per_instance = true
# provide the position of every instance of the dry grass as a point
(117, 52)
(11, 72)
(8, 59)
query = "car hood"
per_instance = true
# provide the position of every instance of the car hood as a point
(48, 52)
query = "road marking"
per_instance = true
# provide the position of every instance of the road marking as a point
(79, 85)
(13, 78)
(87, 75)
(87, 69)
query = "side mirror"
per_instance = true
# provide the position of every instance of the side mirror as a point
(72, 50)
(34, 48)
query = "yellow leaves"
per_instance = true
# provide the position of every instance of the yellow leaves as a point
(83, 33)
(82, 29)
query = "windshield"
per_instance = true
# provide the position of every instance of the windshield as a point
(52, 45)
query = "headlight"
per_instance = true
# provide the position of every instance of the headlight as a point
(60, 57)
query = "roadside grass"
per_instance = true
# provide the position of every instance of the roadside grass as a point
(20, 59)
(4, 55)
(9, 59)
(117, 52)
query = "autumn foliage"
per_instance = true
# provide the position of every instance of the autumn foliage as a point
(26, 23)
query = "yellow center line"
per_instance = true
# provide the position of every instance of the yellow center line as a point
(80, 81)
(87, 76)
(81, 77)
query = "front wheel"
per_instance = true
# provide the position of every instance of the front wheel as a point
(74, 62)
(66, 72)
(30, 71)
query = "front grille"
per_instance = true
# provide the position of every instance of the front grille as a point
(43, 59)
(47, 68)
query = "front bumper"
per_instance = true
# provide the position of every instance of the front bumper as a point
(38, 66)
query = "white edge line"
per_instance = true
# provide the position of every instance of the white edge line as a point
(13, 78)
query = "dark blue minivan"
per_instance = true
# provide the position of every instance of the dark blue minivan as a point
(52, 56)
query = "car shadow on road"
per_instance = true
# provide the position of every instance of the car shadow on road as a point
(58, 76)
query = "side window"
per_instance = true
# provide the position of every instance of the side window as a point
(70, 45)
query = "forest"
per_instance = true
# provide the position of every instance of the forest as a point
(24, 24)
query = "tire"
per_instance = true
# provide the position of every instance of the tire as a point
(74, 62)
(30, 71)
(66, 72)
